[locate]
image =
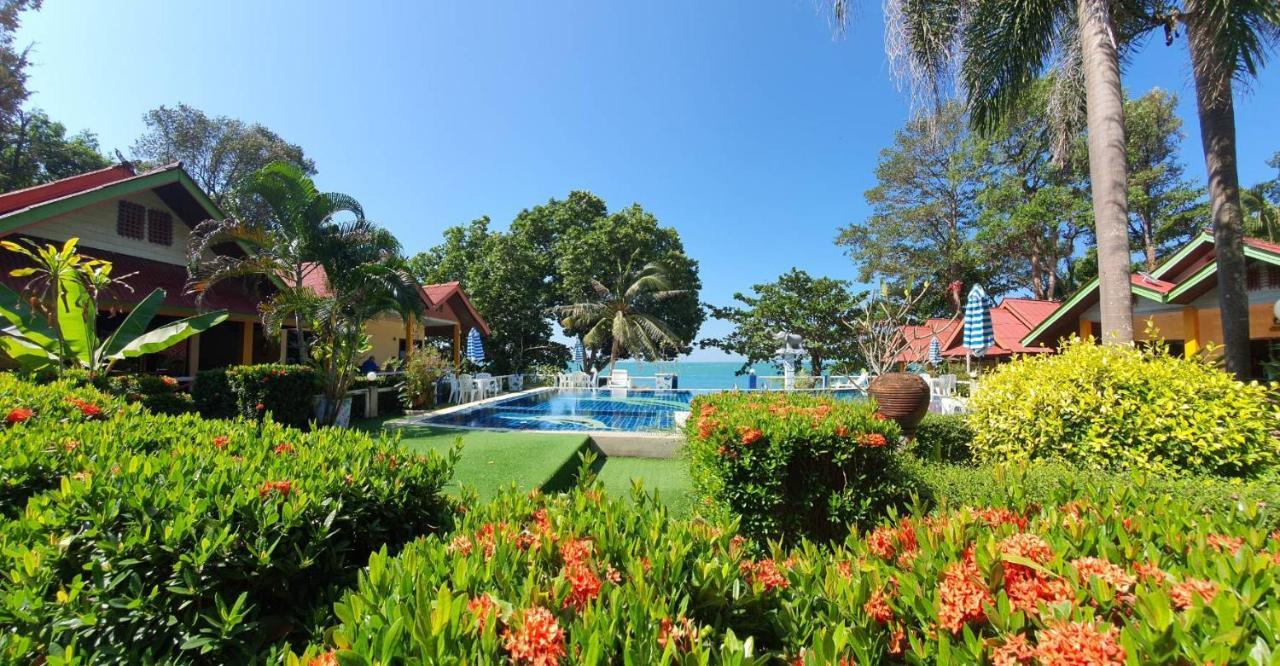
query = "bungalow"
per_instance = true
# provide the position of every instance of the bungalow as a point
(1011, 321)
(141, 223)
(1178, 302)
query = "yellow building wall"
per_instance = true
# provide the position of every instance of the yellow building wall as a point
(95, 226)
(1170, 326)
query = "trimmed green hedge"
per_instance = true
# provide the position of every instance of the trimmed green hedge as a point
(1119, 407)
(212, 395)
(944, 438)
(160, 394)
(286, 392)
(138, 538)
(790, 465)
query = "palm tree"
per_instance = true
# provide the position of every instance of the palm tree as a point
(1261, 217)
(285, 227)
(618, 318)
(998, 49)
(1227, 39)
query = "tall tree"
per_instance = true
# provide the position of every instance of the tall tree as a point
(1227, 39)
(1000, 49)
(1165, 208)
(1261, 216)
(925, 213)
(13, 60)
(36, 149)
(217, 151)
(620, 318)
(813, 308)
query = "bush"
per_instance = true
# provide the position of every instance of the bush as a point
(160, 394)
(172, 538)
(791, 465)
(1118, 407)
(286, 392)
(212, 395)
(584, 579)
(424, 369)
(943, 438)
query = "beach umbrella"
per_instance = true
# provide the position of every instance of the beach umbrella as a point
(579, 354)
(475, 347)
(935, 351)
(978, 333)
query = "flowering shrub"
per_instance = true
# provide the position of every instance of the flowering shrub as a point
(788, 465)
(136, 538)
(285, 392)
(1119, 407)
(1123, 577)
(159, 394)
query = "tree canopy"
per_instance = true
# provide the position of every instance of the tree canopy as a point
(217, 151)
(36, 149)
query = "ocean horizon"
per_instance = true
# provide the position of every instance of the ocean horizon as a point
(700, 374)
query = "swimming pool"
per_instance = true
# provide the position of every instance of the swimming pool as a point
(622, 410)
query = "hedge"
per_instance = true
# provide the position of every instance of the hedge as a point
(160, 394)
(286, 392)
(944, 438)
(1124, 577)
(140, 538)
(211, 393)
(790, 465)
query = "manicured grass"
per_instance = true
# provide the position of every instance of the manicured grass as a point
(492, 461)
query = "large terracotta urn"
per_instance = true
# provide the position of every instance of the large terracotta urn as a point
(903, 397)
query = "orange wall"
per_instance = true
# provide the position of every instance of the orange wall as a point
(1169, 325)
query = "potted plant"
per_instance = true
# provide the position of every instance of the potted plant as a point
(339, 342)
(881, 334)
(421, 373)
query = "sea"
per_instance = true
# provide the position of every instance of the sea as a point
(699, 374)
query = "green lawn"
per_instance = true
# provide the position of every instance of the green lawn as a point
(492, 461)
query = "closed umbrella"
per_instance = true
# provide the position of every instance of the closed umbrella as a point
(978, 333)
(935, 351)
(475, 347)
(579, 354)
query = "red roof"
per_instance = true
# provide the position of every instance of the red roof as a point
(1011, 321)
(1152, 283)
(441, 299)
(918, 338)
(38, 194)
(144, 276)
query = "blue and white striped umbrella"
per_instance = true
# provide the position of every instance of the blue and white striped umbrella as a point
(579, 354)
(475, 347)
(978, 335)
(935, 351)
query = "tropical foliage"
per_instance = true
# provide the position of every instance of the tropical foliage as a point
(421, 372)
(1119, 407)
(53, 323)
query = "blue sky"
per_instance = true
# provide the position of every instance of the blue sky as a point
(743, 124)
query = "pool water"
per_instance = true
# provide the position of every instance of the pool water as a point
(579, 409)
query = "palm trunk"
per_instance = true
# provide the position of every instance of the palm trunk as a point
(1218, 137)
(1107, 168)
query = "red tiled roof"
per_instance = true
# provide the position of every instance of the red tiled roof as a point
(1011, 321)
(146, 275)
(435, 296)
(918, 338)
(1152, 283)
(1262, 244)
(38, 194)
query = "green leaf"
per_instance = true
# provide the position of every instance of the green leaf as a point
(169, 335)
(77, 317)
(134, 325)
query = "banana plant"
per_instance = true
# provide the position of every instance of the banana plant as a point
(52, 324)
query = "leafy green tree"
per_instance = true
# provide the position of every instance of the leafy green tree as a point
(219, 152)
(293, 232)
(619, 316)
(813, 308)
(36, 149)
(1165, 208)
(13, 61)
(925, 213)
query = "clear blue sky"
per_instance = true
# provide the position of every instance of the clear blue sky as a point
(743, 124)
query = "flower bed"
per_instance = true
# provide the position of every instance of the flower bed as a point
(136, 538)
(585, 579)
(790, 465)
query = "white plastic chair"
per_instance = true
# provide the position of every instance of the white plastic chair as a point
(577, 380)
(486, 385)
(619, 379)
(662, 382)
(452, 382)
(862, 382)
(468, 389)
(946, 385)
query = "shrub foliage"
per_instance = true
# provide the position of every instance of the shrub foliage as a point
(212, 395)
(791, 465)
(1113, 406)
(137, 538)
(286, 392)
(944, 438)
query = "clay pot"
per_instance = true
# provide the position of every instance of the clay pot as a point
(903, 397)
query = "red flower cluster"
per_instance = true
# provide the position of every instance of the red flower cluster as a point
(873, 440)
(765, 572)
(1078, 644)
(900, 541)
(877, 607)
(1015, 651)
(538, 642)
(283, 448)
(995, 517)
(751, 436)
(1224, 543)
(281, 487)
(329, 658)
(480, 607)
(584, 584)
(1025, 586)
(842, 431)
(678, 634)
(1182, 593)
(460, 545)
(221, 441)
(171, 382)
(18, 415)
(962, 595)
(1116, 577)
(87, 409)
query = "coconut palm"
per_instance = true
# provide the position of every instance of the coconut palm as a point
(1261, 217)
(996, 50)
(1227, 39)
(618, 318)
(285, 227)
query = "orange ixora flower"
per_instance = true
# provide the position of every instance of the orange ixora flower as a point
(282, 488)
(329, 658)
(878, 607)
(18, 415)
(962, 596)
(1224, 543)
(842, 431)
(480, 607)
(765, 572)
(283, 448)
(679, 634)
(873, 440)
(1113, 575)
(1078, 644)
(87, 409)
(1149, 571)
(584, 585)
(1182, 593)
(750, 435)
(539, 640)
(171, 382)
(1015, 651)
(460, 545)
(221, 441)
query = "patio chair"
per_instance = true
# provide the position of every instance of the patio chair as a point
(486, 385)
(946, 385)
(662, 382)
(619, 379)
(468, 390)
(452, 382)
